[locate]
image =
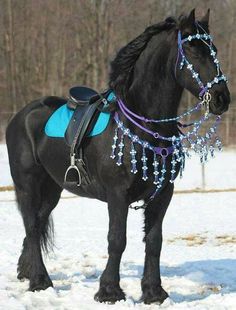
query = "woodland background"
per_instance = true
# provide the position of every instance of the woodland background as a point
(47, 46)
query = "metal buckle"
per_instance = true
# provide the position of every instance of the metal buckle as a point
(164, 152)
(105, 102)
(206, 101)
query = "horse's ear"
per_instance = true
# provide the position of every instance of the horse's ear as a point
(191, 17)
(187, 22)
(205, 18)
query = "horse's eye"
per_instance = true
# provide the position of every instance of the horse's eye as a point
(196, 53)
(193, 43)
(193, 50)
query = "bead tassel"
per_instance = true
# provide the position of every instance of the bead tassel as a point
(133, 153)
(173, 171)
(201, 145)
(155, 168)
(120, 153)
(144, 167)
(115, 138)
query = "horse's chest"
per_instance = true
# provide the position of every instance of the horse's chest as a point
(118, 172)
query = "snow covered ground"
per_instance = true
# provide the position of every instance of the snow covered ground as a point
(5, 176)
(198, 261)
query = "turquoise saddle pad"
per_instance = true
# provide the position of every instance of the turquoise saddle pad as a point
(58, 122)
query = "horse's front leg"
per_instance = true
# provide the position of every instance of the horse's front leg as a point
(154, 214)
(110, 290)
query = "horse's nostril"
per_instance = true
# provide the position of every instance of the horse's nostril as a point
(220, 102)
(223, 99)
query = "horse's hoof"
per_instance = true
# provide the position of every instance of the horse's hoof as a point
(41, 282)
(154, 295)
(109, 294)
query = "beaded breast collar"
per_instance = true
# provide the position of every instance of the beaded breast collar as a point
(202, 144)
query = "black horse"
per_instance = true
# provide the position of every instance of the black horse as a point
(143, 76)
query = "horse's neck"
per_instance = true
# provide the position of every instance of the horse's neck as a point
(162, 104)
(154, 92)
(159, 102)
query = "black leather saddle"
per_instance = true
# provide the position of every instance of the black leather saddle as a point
(87, 104)
(80, 96)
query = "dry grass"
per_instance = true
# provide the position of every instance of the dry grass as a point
(212, 288)
(191, 240)
(197, 240)
(225, 239)
(6, 188)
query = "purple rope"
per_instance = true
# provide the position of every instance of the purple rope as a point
(203, 91)
(180, 51)
(162, 151)
(141, 118)
(176, 64)
(154, 134)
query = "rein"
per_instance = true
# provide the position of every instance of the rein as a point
(180, 144)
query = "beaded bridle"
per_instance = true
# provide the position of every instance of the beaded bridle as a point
(179, 149)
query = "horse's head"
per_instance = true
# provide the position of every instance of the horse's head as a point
(196, 67)
(142, 71)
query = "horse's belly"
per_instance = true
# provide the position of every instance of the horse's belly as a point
(54, 155)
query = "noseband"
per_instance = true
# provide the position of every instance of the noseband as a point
(201, 144)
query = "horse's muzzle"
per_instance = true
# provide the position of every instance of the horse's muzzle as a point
(220, 101)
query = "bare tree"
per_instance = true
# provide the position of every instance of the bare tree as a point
(48, 46)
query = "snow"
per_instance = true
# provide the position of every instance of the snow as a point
(198, 260)
(5, 177)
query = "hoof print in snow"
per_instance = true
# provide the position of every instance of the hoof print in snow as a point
(154, 295)
(41, 282)
(109, 294)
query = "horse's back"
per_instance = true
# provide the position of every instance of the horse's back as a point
(41, 109)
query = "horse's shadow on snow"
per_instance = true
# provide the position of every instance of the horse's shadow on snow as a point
(214, 277)
(211, 276)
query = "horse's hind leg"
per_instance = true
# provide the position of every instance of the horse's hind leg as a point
(35, 204)
(37, 194)
(29, 200)
(36, 201)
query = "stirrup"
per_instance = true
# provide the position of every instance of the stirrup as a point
(71, 168)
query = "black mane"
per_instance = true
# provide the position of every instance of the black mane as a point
(124, 62)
